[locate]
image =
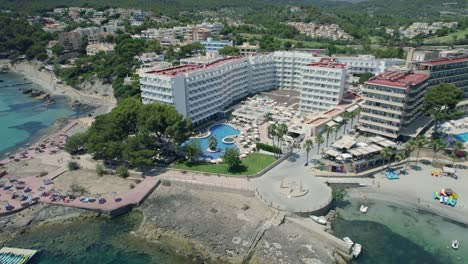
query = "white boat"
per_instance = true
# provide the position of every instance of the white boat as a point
(348, 241)
(321, 220)
(363, 208)
(455, 244)
(357, 250)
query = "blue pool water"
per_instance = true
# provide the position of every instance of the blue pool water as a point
(219, 132)
(462, 137)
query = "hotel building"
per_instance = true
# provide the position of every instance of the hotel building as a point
(203, 91)
(394, 100)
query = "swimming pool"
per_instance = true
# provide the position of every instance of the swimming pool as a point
(462, 137)
(219, 132)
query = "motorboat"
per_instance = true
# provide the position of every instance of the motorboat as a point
(357, 250)
(321, 220)
(363, 208)
(455, 244)
(348, 241)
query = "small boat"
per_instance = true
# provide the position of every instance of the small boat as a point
(363, 208)
(321, 220)
(348, 241)
(455, 244)
(357, 250)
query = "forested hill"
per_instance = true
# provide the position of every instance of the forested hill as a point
(402, 8)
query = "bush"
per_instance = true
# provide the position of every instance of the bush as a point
(73, 165)
(100, 170)
(166, 183)
(43, 173)
(122, 171)
(269, 148)
(77, 189)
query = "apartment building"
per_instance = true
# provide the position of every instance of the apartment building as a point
(393, 101)
(289, 66)
(322, 85)
(368, 63)
(213, 45)
(246, 49)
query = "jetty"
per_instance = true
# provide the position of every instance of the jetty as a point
(16, 255)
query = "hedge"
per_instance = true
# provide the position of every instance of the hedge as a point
(269, 148)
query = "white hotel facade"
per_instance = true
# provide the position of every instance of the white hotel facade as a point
(203, 92)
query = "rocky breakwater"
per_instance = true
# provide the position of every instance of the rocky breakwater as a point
(39, 95)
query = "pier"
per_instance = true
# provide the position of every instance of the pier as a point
(16, 255)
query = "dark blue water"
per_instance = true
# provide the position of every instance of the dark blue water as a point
(390, 234)
(97, 241)
(23, 118)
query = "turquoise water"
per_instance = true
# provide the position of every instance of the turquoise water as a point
(390, 234)
(95, 240)
(462, 137)
(22, 117)
(219, 132)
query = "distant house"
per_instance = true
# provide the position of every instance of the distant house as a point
(211, 44)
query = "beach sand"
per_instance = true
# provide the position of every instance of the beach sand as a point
(50, 84)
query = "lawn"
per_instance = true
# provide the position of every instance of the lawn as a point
(447, 39)
(254, 163)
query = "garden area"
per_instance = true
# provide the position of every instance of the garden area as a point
(251, 165)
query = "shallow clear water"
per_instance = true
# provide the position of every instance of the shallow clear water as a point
(21, 117)
(219, 132)
(94, 241)
(390, 234)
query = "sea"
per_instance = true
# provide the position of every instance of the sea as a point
(97, 241)
(24, 119)
(393, 234)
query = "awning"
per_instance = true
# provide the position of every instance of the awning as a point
(333, 153)
(352, 108)
(346, 156)
(346, 142)
(331, 124)
(355, 152)
(338, 119)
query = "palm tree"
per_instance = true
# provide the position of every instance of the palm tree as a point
(437, 145)
(281, 131)
(309, 144)
(329, 130)
(337, 128)
(346, 117)
(357, 113)
(421, 141)
(319, 140)
(386, 154)
(400, 156)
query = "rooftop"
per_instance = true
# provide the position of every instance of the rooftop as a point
(328, 63)
(175, 71)
(442, 61)
(398, 79)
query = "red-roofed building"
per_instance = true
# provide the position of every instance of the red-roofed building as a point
(393, 100)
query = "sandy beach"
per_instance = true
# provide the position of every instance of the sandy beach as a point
(48, 81)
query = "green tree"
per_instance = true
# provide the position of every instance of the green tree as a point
(76, 143)
(410, 146)
(319, 140)
(436, 145)
(308, 145)
(232, 159)
(400, 156)
(386, 154)
(77, 189)
(329, 130)
(441, 102)
(458, 147)
(364, 77)
(58, 49)
(420, 142)
(213, 143)
(122, 171)
(229, 51)
(193, 150)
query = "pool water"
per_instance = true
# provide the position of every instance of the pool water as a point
(462, 137)
(219, 132)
